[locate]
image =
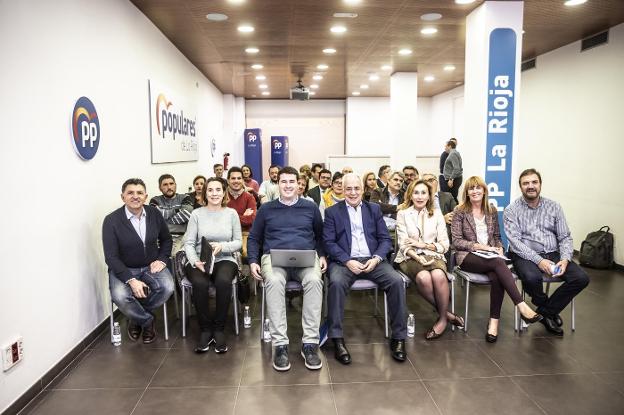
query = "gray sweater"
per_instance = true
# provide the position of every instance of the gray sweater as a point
(222, 226)
(453, 165)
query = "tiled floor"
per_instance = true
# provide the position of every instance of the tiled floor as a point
(535, 373)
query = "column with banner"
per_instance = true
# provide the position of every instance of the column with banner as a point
(492, 84)
(253, 151)
(279, 150)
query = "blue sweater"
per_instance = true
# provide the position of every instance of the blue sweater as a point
(278, 226)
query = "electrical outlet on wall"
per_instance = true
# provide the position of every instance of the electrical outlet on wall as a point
(12, 353)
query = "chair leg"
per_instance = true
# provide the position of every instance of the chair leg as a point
(325, 294)
(262, 315)
(547, 288)
(235, 301)
(452, 301)
(386, 316)
(573, 316)
(184, 312)
(112, 322)
(376, 307)
(466, 312)
(165, 321)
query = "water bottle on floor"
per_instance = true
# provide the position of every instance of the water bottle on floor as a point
(247, 317)
(266, 331)
(116, 334)
(411, 325)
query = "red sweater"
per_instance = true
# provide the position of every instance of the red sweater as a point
(245, 201)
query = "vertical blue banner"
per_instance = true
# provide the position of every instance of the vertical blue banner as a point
(500, 119)
(279, 150)
(253, 151)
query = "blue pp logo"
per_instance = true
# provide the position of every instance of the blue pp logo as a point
(85, 128)
(277, 144)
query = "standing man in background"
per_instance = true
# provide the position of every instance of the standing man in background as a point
(453, 170)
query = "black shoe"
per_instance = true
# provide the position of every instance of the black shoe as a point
(220, 346)
(490, 338)
(280, 358)
(397, 349)
(557, 320)
(205, 340)
(134, 331)
(551, 326)
(309, 352)
(537, 317)
(340, 351)
(149, 333)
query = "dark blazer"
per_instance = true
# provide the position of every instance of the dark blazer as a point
(123, 247)
(382, 196)
(315, 194)
(337, 232)
(464, 232)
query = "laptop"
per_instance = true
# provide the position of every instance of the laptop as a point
(293, 258)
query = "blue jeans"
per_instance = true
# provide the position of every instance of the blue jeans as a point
(139, 311)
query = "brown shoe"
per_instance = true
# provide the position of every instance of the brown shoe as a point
(134, 331)
(149, 334)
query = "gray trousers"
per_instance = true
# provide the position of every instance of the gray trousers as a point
(275, 291)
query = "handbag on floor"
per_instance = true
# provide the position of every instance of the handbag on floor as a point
(597, 249)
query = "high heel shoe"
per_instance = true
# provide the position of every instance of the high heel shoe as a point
(457, 321)
(537, 317)
(490, 338)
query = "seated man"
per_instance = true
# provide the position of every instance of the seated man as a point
(175, 207)
(316, 193)
(242, 202)
(289, 222)
(314, 180)
(541, 244)
(411, 174)
(268, 188)
(137, 245)
(388, 198)
(356, 241)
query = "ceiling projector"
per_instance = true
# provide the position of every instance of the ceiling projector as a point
(300, 92)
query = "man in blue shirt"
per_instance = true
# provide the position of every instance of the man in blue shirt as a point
(289, 222)
(137, 244)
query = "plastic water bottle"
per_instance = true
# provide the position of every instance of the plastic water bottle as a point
(116, 334)
(411, 325)
(266, 333)
(554, 269)
(247, 317)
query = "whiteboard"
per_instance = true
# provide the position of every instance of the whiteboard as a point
(359, 164)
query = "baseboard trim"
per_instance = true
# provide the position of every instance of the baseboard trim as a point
(616, 266)
(30, 394)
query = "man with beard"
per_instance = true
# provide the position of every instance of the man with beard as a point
(268, 188)
(541, 244)
(242, 202)
(175, 207)
(317, 193)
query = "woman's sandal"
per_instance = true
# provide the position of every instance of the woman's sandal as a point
(432, 335)
(457, 321)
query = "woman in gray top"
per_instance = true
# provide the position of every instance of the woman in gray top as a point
(219, 225)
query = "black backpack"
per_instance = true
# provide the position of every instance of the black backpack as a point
(597, 249)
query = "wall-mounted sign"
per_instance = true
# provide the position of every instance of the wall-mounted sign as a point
(85, 126)
(173, 125)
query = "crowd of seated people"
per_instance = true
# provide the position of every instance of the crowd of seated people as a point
(374, 226)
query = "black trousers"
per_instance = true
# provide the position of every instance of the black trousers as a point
(340, 281)
(452, 190)
(574, 281)
(222, 276)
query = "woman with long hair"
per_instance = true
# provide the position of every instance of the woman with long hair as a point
(220, 226)
(248, 178)
(422, 242)
(369, 184)
(475, 231)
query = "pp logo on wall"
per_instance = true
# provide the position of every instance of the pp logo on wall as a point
(85, 125)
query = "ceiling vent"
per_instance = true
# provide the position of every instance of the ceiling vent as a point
(526, 65)
(596, 40)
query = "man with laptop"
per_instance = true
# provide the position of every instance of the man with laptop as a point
(285, 242)
(357, 241)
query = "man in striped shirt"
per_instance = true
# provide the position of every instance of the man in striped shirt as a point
(541, 244)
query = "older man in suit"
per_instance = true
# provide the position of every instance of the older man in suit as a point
(357, 241)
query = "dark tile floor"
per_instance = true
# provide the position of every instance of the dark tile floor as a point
(532, 373)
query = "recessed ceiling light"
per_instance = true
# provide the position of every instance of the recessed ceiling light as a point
(429, 78)
(252, 50)
(263, 86)
(574, 2)
(356, 93)
(464, 1)
(317, 77)
(256, 66)
(329, 51)
(430, 17)
(246, 29)
(449, 68)
(216, 17)
(260, 77)
(363, 86)
(428, 30)
(265, 93)
(352, 1)
(523, 31)
(386, 67)
(314, 86)
(322, 66)
(346, 15)
(405, 52)
(312, 93)
(338, 29)
(373, 77)
(236, 1)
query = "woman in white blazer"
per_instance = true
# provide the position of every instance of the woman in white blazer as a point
(422, 242)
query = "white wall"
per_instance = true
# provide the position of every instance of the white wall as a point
(55, 288)
(314, 128)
